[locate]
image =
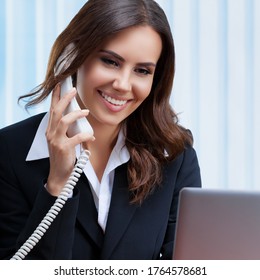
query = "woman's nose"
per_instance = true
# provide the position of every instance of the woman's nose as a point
(122, 83)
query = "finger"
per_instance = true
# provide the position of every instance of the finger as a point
(69, 119)
(60, 104)
(81, 138)
(63, 102)
(55, 97)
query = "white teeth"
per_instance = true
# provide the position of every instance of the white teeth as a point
(114, 101)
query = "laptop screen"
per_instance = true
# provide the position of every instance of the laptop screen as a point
(217, 225)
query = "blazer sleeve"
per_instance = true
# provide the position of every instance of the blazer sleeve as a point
(188, 176)
(20, 214)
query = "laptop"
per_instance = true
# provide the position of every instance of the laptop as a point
(217, 225)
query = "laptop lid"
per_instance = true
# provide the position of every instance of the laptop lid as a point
(217, 225)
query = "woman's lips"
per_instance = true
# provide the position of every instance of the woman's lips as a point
(113, 101)
(113, 104)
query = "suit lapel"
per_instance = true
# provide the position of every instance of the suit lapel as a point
(87, 214)
(120, 212)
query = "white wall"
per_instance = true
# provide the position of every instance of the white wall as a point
(216, 90)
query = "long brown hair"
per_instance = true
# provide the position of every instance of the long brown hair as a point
(153, 135)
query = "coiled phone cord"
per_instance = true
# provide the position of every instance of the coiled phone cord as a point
(55, 209)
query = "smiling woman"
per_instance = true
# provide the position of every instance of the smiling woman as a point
(140, 156)
(119, 75)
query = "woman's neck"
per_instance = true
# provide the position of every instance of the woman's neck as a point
(101, 148)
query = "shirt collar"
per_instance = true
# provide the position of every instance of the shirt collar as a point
(39, 148)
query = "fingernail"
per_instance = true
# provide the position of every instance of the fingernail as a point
(72, 91)
(57, 86)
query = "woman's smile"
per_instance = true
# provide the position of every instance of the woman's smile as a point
(112, 103)
(113, 100)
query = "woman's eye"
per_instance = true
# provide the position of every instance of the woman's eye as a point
(143, 71)
(109, 61)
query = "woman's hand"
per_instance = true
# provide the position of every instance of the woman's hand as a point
(61, 147)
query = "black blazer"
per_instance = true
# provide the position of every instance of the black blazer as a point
(132, 231)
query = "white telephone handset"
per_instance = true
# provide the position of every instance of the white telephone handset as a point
(81, 125)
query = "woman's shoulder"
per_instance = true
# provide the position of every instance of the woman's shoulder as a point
(22, 127)
(20, 134)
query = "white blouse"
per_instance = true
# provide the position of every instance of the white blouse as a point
(101, 191)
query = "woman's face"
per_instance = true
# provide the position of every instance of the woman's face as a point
(119, 76)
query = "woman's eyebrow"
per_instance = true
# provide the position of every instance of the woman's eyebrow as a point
(113, 54)
(123, 60)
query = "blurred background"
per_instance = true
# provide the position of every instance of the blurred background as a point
(217, 85)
